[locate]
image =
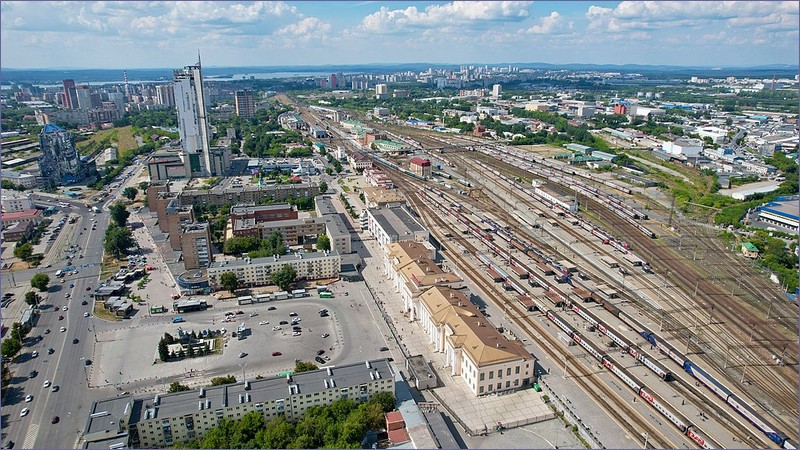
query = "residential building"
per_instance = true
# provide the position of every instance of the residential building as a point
(381, 89)
(196, 245)
(15, 201)
(165, 95)
(17, 231)
(245, 104)
(394, 225)
(220, 196)
(25, 180)
(497, 90)
(70, 95)
(380, 197)
(473, 348)
(359, 161)
(192, 120)
(421, 167)
(177, 217)
(167, 419)
(253, 272)
(60, 162)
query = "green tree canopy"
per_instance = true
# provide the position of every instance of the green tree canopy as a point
(118, 240)
(119, 213)
(31, 298)
(130, 192)
(176, 386)
(219, 381)
(284, 277)
(304, 366)
(40, 281)
(24, 251)
(229, 281)
(323, 187)
(323, 242)
(10, 347)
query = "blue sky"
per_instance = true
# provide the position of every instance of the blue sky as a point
(158, 34)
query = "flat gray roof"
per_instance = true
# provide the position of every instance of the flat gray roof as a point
(335, 225)
(242, 209)
(281, 258)
(268, 389)
(324, 205)
(396, 221)
(106, 414)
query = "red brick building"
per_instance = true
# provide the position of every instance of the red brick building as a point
(421, 167)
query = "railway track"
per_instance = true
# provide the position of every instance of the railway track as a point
(608, 399)
(780, 386)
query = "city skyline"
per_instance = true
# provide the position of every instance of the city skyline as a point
(166, 34)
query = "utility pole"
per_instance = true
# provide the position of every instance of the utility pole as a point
(671, 210)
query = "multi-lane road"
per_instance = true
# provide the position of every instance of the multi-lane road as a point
(66, 367)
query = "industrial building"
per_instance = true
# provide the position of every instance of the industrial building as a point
(783, 212)
(421, 167)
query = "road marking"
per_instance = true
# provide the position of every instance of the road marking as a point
(30, 438)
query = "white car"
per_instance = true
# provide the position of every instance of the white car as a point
(264, 322)
(253, 314)
(47, 383)
(324, 335)
(67, 295)
(65, 308)
(295, 333)
(34, 354)
(276, 328)
(28, 398)
(63, 329)
(86, 314)
(24, 412)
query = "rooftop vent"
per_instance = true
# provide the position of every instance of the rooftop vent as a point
(202, 392)
(156, 400)
(330, 371)
(200, 405)
(367, 364)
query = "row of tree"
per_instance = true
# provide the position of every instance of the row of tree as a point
(342, 424)
(283, 278)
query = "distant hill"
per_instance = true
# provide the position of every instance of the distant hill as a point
(46, 76)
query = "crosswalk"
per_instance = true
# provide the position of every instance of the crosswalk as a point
(30, 438)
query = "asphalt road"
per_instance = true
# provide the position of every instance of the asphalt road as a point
(66, 366)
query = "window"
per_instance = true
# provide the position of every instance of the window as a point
(508, 371)
(481, 390)
(508, 384)
(517, 371)
(516, 382)
(499, 386)
(490, 388)
(500, 373)
(491, 375)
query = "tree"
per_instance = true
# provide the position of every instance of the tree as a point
(284, 277)
(143, 186)
(329, 171)
(24, 251)
(10, 347)
(229, 281)
(118, 240)
(176, 386)
(163, 350)
(323, 242)
(119, 213)
(130, 192)
(384, 399)
(219, 381)
(323, 187)
(303, 366)
(31, 298)
(40, 281)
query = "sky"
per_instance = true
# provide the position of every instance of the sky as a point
(167, 34)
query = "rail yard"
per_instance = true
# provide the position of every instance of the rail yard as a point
(556, 245)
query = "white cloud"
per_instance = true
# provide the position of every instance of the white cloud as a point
(305, 30)
(548, 24)
(435, 16)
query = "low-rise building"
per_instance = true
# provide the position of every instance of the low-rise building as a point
(473, 349)
(258, 271)
(783, 212)
(421, 167)
(394, 225)
(25, 180)
(14, 201)
(17, 231)
(265, 213)
(749, 250)
(686, 147)
(379, 198)
(26, 215)
(164, 165)
(359, 161)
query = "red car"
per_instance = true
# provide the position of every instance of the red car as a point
(277, 353)
(60, 317)
(88, 288)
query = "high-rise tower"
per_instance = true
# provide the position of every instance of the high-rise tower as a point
(70, 95)
(192, 120)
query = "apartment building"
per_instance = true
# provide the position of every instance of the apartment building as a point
(250, 194)
(196, 245)
(265, 213)
(15, 201)
(473, 348)
(167, 419)
(177, 216)
(258, 271)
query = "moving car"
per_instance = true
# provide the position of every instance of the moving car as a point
(292, 314)
(47, 383)
(63, 329)
(54, 420)
(320, 352)
(384, 349)
(54, 389)
(34, 354)
(50, 351)
(24, 412)
(253, 314)
(277, 353)
(242, 354)
(28, 398)
(75, 341)
(86, 314)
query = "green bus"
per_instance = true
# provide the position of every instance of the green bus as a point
(326, 295)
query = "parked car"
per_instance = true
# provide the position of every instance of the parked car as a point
(34, 354)
(319, 360)
(54, 420)
(271, 308)
(242, 354)
(320, 352)
(324, 335)
(277, 353)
